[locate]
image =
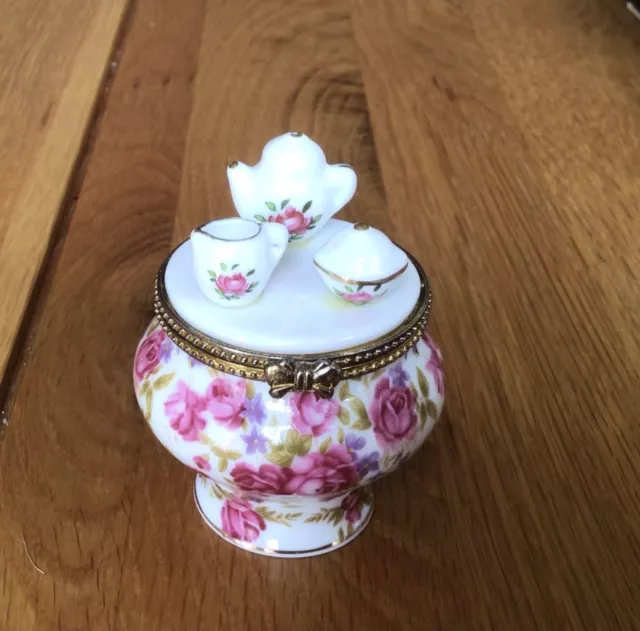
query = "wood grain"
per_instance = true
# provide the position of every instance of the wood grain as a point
(52, 60)
(68, 461)
(497, 141)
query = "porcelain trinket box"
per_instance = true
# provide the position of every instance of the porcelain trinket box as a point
(289, 407)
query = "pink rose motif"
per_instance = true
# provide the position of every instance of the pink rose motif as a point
(266, 479)
(352, 507)
(232, 284)
(148, 355)
(434, 363)
(225, 401)
(319, 474)
(240, 521)
(202, 463)
(312, 414)
(393, 413)
(294, 221)
(358, 298)
(185, 411)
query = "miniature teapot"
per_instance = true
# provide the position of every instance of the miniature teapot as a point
(233, 258)
(292, 185)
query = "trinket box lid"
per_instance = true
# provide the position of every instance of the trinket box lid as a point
(296, 315)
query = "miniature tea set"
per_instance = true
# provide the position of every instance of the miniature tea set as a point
(288, 362)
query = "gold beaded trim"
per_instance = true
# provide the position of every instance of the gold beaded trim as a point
(295, 372)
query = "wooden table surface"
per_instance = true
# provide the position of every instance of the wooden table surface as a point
(498, 141)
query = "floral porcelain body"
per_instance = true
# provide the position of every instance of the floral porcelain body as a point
(288, 409)
(291, 185)
(361, 264)
(234, 258)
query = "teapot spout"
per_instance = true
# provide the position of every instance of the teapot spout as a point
(341, 181)
(240, 178)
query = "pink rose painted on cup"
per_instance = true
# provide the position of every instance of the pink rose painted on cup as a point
(225, 401)
(202, 462)
(232, 284)
(240, 521)
(319, 474)
(393, 413)
(312, 414)
(352, 507)
(293, 220)
(358, 298)
(185, 410)
(267, 478)
(148, 354)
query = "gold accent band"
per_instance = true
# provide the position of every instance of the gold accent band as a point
(360, 283)
(319, 373)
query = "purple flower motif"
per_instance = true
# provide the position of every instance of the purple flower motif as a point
(399, 376)
(166, 348)
(353, 443)
(254, 409)
(368, 464)
(255, 442)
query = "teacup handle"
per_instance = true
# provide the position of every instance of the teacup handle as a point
(278, 237)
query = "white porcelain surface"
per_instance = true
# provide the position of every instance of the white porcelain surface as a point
(293, 185)
(296, 313)
(361, 254)
(232, 259)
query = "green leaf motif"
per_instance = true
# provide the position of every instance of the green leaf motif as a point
(260, 218)
(306, 206)
(343, 391)
(271, 206)
(283, 203)
(223, 463)
(148, 405)
(278, 518)
(423, 384)
(340, 535)
(164, 381)
(343, 415)
(340, 435)
(212, 274)
(422, 414)
(235, 266)
(362, 424)
(413, 389)
(324, 445)
(220, 292)
(432, 409)
(349, 289)
(250, 389)
(377, 287)
(223, 266)
(251, 272)
(358, 407)
(279, 456)
(326, 514)
(215, 491)
(316, 219)
(297, 444)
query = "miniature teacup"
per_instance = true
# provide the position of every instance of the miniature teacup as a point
(233, 258)
(361, 264)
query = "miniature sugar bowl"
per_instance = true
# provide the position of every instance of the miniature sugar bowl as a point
(361, 264)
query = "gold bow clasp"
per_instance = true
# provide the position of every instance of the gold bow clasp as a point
(285, 376)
